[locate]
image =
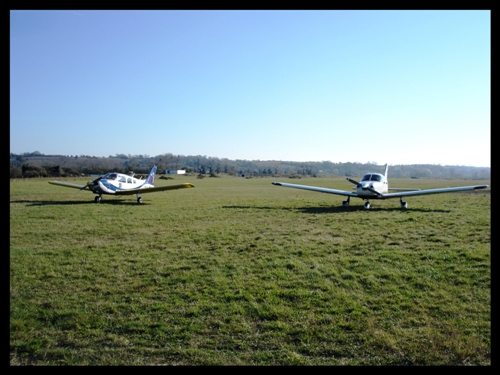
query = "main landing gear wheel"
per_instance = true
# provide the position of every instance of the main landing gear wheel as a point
(139, 200)
(97, 199)
(346, 202)
(367, 205)
(404, 204)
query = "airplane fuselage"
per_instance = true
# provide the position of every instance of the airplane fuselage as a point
(114, 183)
(371, 184)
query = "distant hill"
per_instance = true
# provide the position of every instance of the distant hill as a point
(36, 164)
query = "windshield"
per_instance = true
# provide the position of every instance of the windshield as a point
(371, 177)
(109, 176)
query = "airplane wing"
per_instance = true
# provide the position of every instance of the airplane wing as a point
(154, 189)
(67, 184)
(433, 191)
(128, 191)
(405, 189)
(315, 188)
(404, 193)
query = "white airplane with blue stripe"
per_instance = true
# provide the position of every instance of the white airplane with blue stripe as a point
(122, 184)
(376, 186)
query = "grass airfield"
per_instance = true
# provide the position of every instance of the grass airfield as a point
(237, 271)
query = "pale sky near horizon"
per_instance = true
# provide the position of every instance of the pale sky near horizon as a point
(383, 86)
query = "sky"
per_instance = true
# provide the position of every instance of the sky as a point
(361, 86)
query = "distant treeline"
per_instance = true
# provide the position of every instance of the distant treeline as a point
(35, 164)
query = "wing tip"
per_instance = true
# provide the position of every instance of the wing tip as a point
(276, 183)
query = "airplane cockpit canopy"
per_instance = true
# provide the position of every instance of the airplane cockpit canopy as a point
(372, 177)
(110, 176)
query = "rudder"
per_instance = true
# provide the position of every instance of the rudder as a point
(151, 176)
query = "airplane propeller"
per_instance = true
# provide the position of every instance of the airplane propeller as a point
(354, 182)
(370, 188)
(90, 183)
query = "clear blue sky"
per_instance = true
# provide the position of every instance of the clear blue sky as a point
(397, 87)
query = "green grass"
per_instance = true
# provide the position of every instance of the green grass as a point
(240, 272)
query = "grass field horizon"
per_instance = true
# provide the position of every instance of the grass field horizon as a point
(237, 271)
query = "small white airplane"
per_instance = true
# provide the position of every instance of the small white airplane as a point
(376, 186)
(121, 184)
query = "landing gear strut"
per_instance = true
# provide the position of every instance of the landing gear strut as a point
(404, 204)
(346, 203)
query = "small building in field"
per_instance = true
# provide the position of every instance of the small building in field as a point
(175, 171)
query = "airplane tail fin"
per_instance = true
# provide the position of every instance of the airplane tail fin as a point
(151, 176)
(386, 168)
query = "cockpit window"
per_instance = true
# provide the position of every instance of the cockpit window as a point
(110, 176)
(366, 177)
(375, 177)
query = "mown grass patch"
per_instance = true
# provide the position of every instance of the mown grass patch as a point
(240, 272)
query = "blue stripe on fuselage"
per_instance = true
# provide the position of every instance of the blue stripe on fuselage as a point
(111, 189)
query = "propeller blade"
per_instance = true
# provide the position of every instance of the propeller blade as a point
(363, 187)
(372, 190)
(354, 182)
(90, 183)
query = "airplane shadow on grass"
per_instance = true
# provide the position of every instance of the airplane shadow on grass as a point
(338, 209)
(124, 202)
(307, 210)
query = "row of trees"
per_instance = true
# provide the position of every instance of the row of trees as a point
(38, 165)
